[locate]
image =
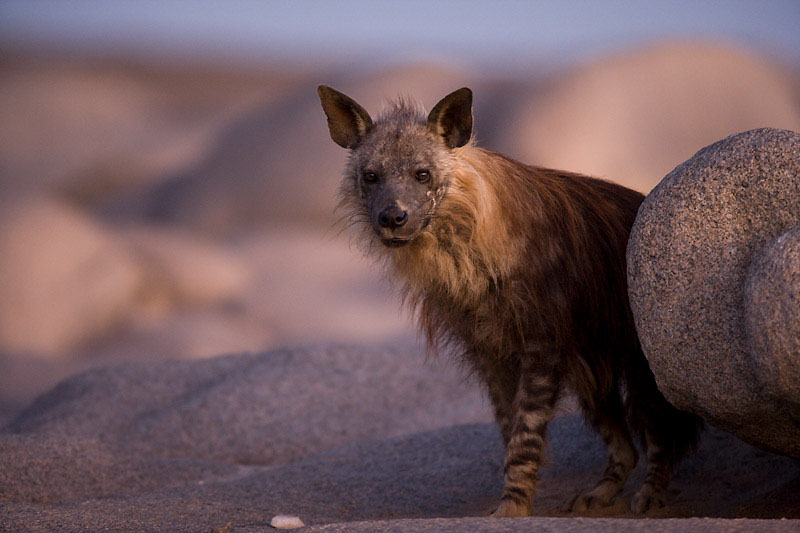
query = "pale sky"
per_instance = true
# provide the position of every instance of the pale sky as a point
(487, 33)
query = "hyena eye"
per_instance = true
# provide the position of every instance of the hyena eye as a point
(370, 177)
(423, 175)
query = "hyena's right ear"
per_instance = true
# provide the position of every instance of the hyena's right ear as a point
(348, 122)
(451, 118)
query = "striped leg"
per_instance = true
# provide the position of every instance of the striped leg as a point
(653, 493)
(609, 421)
(502, 386)
(532, 409)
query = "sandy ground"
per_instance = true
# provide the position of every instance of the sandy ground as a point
(329, 434)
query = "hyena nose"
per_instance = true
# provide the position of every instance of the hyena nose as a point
(392, 217)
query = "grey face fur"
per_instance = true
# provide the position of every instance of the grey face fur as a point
(400, 164)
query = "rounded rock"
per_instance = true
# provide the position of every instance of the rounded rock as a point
(283, 521)
(689, 256)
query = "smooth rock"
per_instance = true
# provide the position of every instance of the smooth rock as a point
(630, 117)
(64, 279)
(283, 521)
(276, 164)
(182, 268)
(689, 255)
(261, 409)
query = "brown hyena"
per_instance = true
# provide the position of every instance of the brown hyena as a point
(521, 268)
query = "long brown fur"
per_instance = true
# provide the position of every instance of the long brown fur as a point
(522, 270)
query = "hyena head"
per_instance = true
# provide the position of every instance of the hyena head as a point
(400, 165)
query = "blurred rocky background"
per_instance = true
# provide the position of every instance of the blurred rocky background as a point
(167, 183)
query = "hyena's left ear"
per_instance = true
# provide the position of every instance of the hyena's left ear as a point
(451, 118)
(348, 122)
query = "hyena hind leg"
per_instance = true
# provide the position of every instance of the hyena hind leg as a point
(609, 420)
(653, 493)
(532, 409)
(669, 434)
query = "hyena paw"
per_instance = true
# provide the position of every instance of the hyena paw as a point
(511, 509)
(648, 498)
(585, 501)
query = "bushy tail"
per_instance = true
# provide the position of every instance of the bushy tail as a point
(676, 432)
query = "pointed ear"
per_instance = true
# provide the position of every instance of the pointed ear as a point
(451, 118)
(348, 122)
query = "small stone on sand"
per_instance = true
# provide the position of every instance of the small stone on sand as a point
(283, 521)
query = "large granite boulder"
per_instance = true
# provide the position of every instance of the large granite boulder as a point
(714, 283)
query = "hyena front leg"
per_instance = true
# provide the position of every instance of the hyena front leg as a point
(532, 409)
(608, 418)
(501, 384)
